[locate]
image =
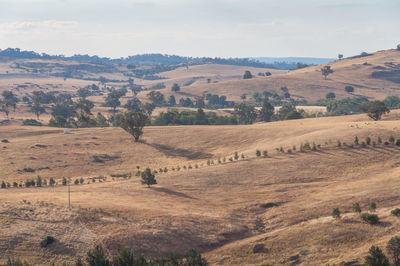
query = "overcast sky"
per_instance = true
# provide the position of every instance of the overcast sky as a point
(223, 28)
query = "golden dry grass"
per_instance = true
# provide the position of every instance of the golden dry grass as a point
(309, 84)
(216, 208)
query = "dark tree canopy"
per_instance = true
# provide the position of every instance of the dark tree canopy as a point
(245, 113)
(330, 96)
(148, 178)
(133, 123)
(349, 89)
(266, 112)
(326, 70)
(376, 257)
(156, 97)
(247, 75)
(376, 109)
(175, 87)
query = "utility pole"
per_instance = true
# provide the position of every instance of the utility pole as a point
(69, 194)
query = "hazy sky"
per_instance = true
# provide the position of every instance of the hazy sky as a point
(224, 28)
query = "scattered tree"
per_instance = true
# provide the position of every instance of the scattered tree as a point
(175, 87)
(247, 75)
(376, 257)
(148, 178)
(133, 123)
(340, 56)
(376, 109)
(393, 248)
(336, 213)
(330, 96)
(349, 89)
(326, 70)
(266, 112)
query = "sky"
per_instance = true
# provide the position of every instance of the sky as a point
(214, 28)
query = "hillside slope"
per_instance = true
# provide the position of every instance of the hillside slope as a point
(309, 84)
(217, 208)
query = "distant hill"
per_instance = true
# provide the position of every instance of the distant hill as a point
(294, 60)
(146, 59)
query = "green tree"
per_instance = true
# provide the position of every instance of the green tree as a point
(326, 70)
(175, 87)
(285, 110)
(113, 98)
(156, 97)
(133, 123)
(134, 105)
(293, 115)
(37, 109)
(148, 178)
(393, 248)
(266, 112)
(376, 109)
(349, 89)
(245, 113)
(97, 257)
(356, 207)
(336, 213)
(247, 75)
(84, 92)
(330, 96)
(172, 100)
(376, 257)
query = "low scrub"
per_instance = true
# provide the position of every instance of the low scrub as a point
(369, 218)
(396, 212)
(47, 241)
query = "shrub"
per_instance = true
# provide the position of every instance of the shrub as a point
(363, 144)
(376, 257)
(395, 212)
(148, 178)
(356, 207)
(368, 141)
(372, 206)
(369, 218)
(339, 144)
(190, 166)
(184, 167)
(294, 148)
(398, 142)
(160, 170)
(356, 140)
(379, 140)
(349, 89)
(3, 184)
(268, 205)
(208, 162)
(289, 151)
(15, 184)
(391, 139)
(242, 156)
(236, 156)
(265, 153)
(219, 160)
(64, 181)
(281, 149)
(230, 159)
(76, 182)
(224, 160)
(81, 180)
(51, 181)
(336, 213)
(97, 257)
(47, 241)
(314, 147)
(165, 169)
(31, 122)
(307, 146)
(258, 153)
(39, 181)
(393, 248)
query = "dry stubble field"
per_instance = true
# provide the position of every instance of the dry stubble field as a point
(216, 208)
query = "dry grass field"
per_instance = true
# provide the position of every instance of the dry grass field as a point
(215, 208)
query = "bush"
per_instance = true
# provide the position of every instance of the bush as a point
(31, 122)
(372, 206)
(15, 184)
(97, 257)
(268, 205)
(236, 156)
(395, 212)
(242, 156)
(376, 257)
(76, 182)
(379, 140)
(51, 181)
(81, 180)
(336, 213)
(356, 140)
(265, 153)
(349, 89)
(368, 141)
(391, 139)
(39, 181)
(398, 142)
(339, 144)
(258, 153)
(47, 241)
(356, 207)
(64, 181)
(369, 218)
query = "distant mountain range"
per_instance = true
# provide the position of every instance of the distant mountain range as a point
(288, 63)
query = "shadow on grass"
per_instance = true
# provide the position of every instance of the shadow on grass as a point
(171, 192)
(178, 152)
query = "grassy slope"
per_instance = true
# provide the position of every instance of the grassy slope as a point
(309, 84)
(213, 208)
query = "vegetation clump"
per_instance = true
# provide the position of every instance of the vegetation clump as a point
(369, 218)
(47, 241)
